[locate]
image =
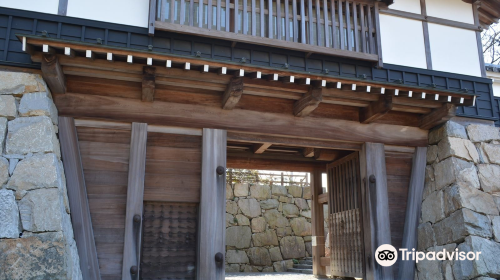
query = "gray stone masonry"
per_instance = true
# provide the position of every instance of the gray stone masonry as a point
(460, 207)
(36, 235)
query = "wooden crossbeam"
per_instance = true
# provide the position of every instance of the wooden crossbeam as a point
(376, 109)
(148, 83)
(261, 148)
(328, 155)
(309, 102)
(233, 93)
(308, 152)
(438, 116)
(53, 74)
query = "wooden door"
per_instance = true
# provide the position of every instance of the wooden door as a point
(345, 218)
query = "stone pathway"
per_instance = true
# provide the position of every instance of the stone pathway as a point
(269, 276)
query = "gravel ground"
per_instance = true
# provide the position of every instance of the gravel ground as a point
(269, 276)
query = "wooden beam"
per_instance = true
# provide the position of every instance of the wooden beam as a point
(148, 83)
(78, 201)
(242, 161)
(329, 155)
(261, 148)
(309, 102)
(233, 93)
(199, 116)
(376, 109)
(413, 208)
(323, 198)
(52, 73)
(318, 223)
(325, 261)
(135, 197)
(376, 226)
(308, 152)
(212, 213)
(438, 116)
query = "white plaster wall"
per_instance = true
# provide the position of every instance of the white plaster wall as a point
(456, 10)
(129, 12)
(411, 6)
(454, 50)
(402, 41)
(496, 88)
(42, 6)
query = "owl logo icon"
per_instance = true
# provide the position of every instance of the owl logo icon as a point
(386, 255)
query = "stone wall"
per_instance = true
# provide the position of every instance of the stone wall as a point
(460, 208)
(266, 227)
(36, 235)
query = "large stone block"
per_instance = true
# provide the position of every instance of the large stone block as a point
(20, 83)
(38, 104)
(238, 237)
(241, 189)
(490, 153)
(482, 133)
(231, 207)
(449, 129)
(259, 224)
(8, 107)
(426, 238)
(461, 224)
(38, 171)
(457, 147)
(229, 192)
(250, 207)
(259, 256)
(279, 190)
(457, 197)
(31, 135)
(488, 263)
(242, 220)
(37, 256)
(229, 220)
(3, 133)
(432, 154)
(290, 210)
(275, 219)
(260, 192)
(4, 171)
(301, 227)
(302, 204)
(295, 191)
(41, 210)
(292, 247)
(495, 225)
(468, 177)
(489, 177)
(306, 194)
(232, 268)
(306, 214)
(266, 238)
(10, 224)
(433, 207)
(447, 171)
(269, 204)
(283, 266)
(429, 270)
(233, 256)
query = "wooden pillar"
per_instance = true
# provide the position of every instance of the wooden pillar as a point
(413, 207)
(135, 197)
(212, 217)
(318, 224)
(376, 225)
(78, 200)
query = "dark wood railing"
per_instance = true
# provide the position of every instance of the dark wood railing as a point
(337, 27)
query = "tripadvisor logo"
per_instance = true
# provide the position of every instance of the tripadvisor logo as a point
(387, 255)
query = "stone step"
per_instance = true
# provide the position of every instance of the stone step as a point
(309, 262)
(302, 266)
(299, 270)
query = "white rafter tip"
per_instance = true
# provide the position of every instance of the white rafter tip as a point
(292, 79)
(436, 97)
(410, 93)
(88, 53)
(353, 87)
(275, 77)
(474, 101)
(149, 61)
(339, 85)
(223, 70)
(24, 44)
(308, 81)
(169, 63)
(396, 92)
(130, 58)
(449, 98)
(205, 68)
(187, 66)
(461, 100)
(241, 73)
(109, 56)
(423, 95)
(368, 88)
(67, 50)
(45, 48)
(382, 90)
(323, 83)
(258, 75)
